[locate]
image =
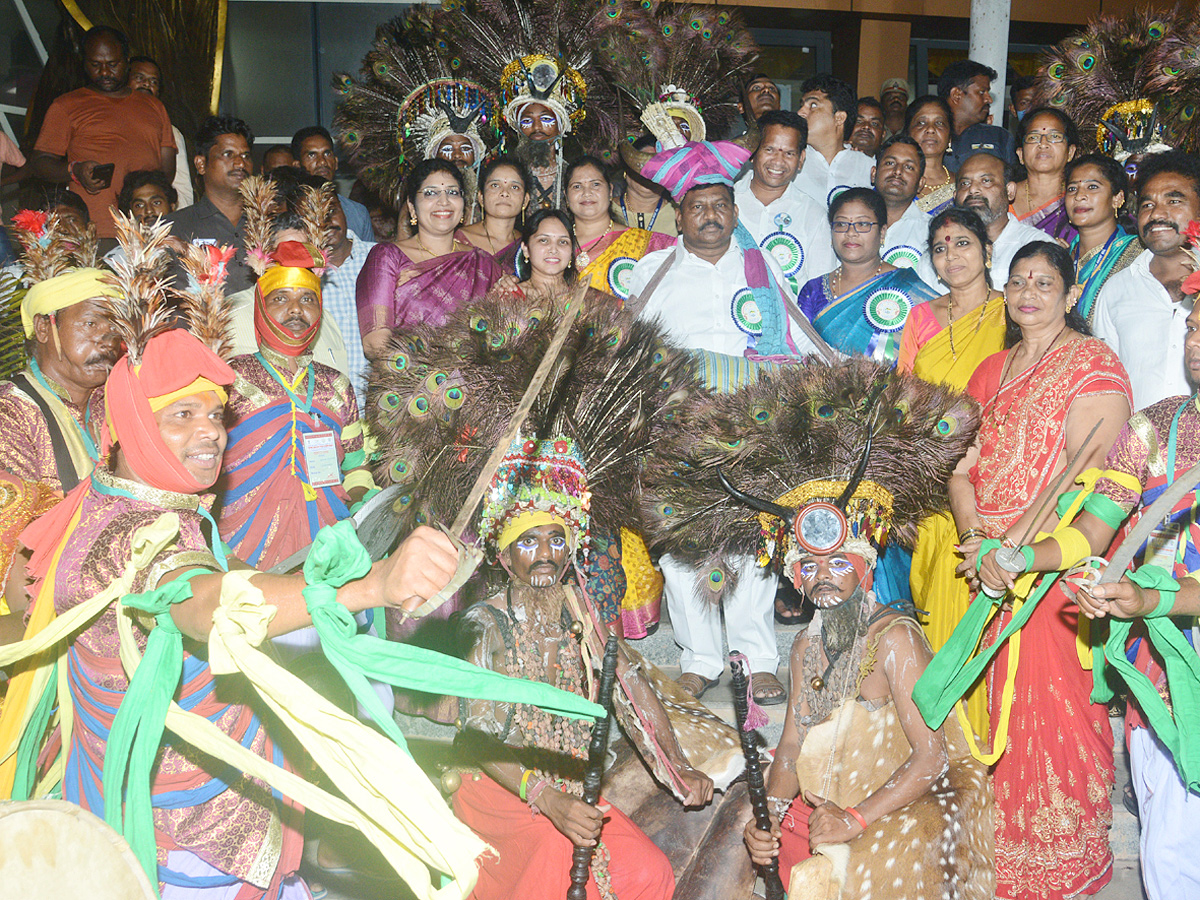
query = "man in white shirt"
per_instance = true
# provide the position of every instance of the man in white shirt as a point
(1142, 311)
(715, 291)
(830, 166)
(898, 171)
(985, 186)
(787, 223)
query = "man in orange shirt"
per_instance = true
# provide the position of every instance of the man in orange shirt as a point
(106, 123)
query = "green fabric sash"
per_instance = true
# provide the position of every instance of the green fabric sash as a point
(337, 556)
(1180, 731)
(30, 744)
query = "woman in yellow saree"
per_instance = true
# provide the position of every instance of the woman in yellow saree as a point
(943, 342)
(608, 250)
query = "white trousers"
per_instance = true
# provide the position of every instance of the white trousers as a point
(1170, 820)
(749, 617)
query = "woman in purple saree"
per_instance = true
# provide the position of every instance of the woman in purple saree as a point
(1048, 139)
(423, 277)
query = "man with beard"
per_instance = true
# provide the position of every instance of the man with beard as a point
(540, 628)
(1141, 311)
(295, 460)
(986, 186)
(785, 221)
(540, 148)
(105, 124)
(898, 171)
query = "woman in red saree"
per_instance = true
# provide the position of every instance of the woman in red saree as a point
(1041, 399)
(422, 277)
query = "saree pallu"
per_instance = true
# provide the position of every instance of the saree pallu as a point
(1052, 219)
(937, 200)
(1093, 273)
(224, 818)
(868, 320)
(394, 292)
(1054, 780)
(269, 507)
(610, 270)
(939, 592)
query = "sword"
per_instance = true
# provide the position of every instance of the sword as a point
(1155, 512)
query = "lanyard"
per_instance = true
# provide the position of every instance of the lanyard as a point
(218, 548)
(88, 443)
(642, 216)
(305, 404)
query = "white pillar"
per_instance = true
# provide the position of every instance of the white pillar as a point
(989, 45)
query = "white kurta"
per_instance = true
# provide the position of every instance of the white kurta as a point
(908, 240)
(823, 180)
(793, 228)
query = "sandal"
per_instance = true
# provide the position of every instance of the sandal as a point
(1129, 800)
(696, 685)
(787, 610)
(768, 690)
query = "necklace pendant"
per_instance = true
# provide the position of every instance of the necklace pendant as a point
(582, 260)
(818, 683)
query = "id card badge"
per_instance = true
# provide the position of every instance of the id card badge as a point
(1162, 547)
(320, 452)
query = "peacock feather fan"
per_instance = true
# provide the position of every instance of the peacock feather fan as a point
(140, 311)
(405, 79)
(439, 401)
(796, 425)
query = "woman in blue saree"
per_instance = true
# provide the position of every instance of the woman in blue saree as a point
(861, 306)
(1097, 188)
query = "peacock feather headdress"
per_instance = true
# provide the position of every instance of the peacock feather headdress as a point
(406, 101)
(440, 399)
(677, 63)
(856, 437)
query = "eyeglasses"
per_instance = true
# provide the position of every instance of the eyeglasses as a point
(435, 193)
(1050, 137)
(840, 226)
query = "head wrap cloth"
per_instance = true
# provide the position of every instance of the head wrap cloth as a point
(294, 265)
(174, 364)
(48, 297)
(699, 164)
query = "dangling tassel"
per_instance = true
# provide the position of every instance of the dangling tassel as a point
(755, 716)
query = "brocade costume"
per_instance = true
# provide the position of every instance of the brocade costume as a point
(271, 506)
(201, 820)
(534, 857)
(26, 450)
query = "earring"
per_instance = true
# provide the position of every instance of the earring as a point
(413, 219)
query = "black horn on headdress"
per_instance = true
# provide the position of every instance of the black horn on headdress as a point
(535, 92)
(856, 478)
(633, 157)
(459, 124)
(751, 139)
(772, 509)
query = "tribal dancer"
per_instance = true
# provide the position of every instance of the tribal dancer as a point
(408, 105)
(138, 524)
(538, 55)
(855, 455)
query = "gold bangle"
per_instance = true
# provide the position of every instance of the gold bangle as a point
(970, 533)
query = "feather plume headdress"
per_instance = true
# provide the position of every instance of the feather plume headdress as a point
(53, 244)
(677, 64)
(1129, 83)
(865, 448)
(441, 398)
(536, 51)
(406, 102)
(260, 202)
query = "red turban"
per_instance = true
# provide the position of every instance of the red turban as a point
(294, 267)
(174, 364)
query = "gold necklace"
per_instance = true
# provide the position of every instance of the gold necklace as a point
(1029, 199)
(930, 188)
(836, 279)
(950, 324)
(582, 260)
(430, 253)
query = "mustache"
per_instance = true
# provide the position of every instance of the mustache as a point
(711, 224)
(1155, 223)
(295, 323)
(96, 358)
(826, 584)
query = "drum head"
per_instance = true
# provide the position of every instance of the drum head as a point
(52, 849)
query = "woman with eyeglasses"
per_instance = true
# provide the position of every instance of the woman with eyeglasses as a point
(861, 306)
(1047, 139)
(423, 277)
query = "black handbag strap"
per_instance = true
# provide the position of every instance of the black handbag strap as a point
(62, 456)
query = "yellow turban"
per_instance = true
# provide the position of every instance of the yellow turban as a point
(277, 277)
(61, 291)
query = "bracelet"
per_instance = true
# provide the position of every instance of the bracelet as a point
(524, 783)
(858, 816)
(970, 533)
(779, 806)
(72, 178)
(534, 793)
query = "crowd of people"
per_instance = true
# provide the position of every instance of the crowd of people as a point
(910, 363)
